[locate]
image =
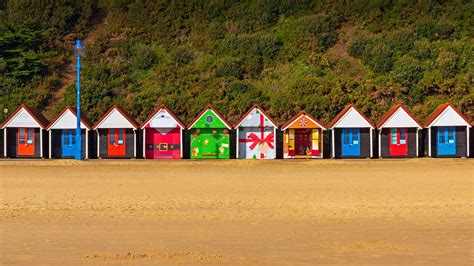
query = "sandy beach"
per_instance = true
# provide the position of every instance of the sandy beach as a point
(278, 212)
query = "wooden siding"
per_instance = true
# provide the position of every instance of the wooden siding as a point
(385, 143)
(12, 144)
(56, 143)
(461, 142)
(364, 142)
(104, 143)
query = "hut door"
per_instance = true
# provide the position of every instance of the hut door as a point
(116, 142)
(26, 142)
(398, 142)
(350, 142)
(446, 141)
(68, 142)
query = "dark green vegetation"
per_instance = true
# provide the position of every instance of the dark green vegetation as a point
(285, 55)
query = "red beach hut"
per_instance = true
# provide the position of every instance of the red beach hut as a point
(162, 135)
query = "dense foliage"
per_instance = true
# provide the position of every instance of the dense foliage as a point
(286, 55)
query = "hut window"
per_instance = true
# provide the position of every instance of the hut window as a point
(21, 137)
(67, 133)
(112, 136)
(450, 136)
(30, 136)
(346, 136)
(442, 135)
(394, 136)
(121, 136)
(73, 138)
(403, 136)
(355, 137)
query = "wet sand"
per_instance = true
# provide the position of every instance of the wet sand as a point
(237, 212)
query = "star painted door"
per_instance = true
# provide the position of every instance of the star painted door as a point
(26, 142)
(398, 142)
(117, 142)
(351, 142)
(68, 142)
(446, 141)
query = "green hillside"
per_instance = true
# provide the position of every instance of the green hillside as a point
(285, 55)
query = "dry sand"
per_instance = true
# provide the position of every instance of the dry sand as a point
(237, 212)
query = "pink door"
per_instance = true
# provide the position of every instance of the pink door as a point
(163, 143)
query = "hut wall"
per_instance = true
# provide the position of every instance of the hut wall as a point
(104, 144)
(56, 145)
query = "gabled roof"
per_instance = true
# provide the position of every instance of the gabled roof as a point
(209, 107)
(392, 111)
(255, 106)
(84, 119)
(296, 117)
(37, 116)
(157, 110)
(114, 107)
(343, 113)
(439, 110)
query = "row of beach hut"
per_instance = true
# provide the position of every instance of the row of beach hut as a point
(444, 133)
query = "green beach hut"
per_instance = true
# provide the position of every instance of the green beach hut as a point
(209, 135)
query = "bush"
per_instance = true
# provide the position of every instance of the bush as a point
(229, 69)
(407, 71)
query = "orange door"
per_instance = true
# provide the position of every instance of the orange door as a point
(26, 142)
(116, 142)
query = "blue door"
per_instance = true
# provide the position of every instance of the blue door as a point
(351, 142)
(446, 141)
(68, 142)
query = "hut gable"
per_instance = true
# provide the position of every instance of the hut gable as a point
(25, 117)
(67, 120)
(209, 118)
(398, 117)
(115, 118)
(162, 118)
(303, 120)
(255, 117)
(351, 117)
(446, 115)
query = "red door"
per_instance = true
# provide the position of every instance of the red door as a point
(116, 142)
(398, 142)
(26, 142)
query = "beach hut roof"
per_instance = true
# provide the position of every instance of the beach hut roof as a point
(398, 116)
(297, 118)
(25, 117)
(243, 119)
(115, 118)
(211, 109)
(446, 115)
(175, 121)
(351, 117)
(66, 119)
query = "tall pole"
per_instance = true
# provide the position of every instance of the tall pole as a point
(78, 102)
